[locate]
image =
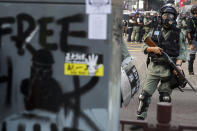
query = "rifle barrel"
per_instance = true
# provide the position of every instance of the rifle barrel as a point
(177, 70)
(151, 43)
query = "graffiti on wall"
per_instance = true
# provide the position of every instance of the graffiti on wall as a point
(42, 94)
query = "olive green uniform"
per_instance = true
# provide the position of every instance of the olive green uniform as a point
(135, 33)
(159, 73)
(147, 28)
(136, 29)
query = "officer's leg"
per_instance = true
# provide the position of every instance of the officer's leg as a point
(164, 97)
(144, 101)
(137, 34)
(133, 34)
(141, 34)
(129, 35)
(191, 59)
(145, 33)
(165, 90)
(125, 31)
(145, 97)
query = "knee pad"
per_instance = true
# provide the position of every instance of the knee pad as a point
(144, 101)
(164, 97)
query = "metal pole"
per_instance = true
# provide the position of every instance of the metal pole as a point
(146, 4)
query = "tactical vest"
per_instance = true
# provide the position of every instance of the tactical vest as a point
(130, 24)
(181, 24)
(149, 25)
(135, 19)
(141, 21)
(155, 22)
(171, 44)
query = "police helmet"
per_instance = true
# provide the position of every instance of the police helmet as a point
(194, 9)
(170, 1)
(183, 15)
(168, 9)
(137, 13)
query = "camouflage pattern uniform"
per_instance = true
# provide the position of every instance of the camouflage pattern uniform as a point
(159, 73)
(147, 25)
(136, 29)
(192, 39)
(171, 40)
(183, 24)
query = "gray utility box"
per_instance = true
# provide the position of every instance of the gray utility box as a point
(52, 76)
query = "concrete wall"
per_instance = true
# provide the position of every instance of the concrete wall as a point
(42, 46)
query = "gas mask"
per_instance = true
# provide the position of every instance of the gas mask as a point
(168, 21)
(194, 13)
(195, 17)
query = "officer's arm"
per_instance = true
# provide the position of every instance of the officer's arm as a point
(182, 51)
(184, 25)
(190, 34)
(146, 49)
(189, 30)
(189, 37)
(145, 21)
(145, 46)
(138, 22)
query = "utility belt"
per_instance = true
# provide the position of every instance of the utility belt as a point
(162, 63)
(184, 28)
(147, 26)
(160, 60)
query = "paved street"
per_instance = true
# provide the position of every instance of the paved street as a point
(184, 105)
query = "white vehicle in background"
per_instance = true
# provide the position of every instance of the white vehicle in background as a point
(151, 12)
(127, 13)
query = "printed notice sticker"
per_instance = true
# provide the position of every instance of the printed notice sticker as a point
(97, 27)
(82, 64)
(98, 6)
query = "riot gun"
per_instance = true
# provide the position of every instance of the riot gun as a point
(179, 74)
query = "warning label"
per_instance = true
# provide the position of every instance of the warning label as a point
(83, 64)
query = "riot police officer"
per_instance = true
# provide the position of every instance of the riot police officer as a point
(155, 20)
(147, 24)
(192, 38)
(136, 28)
(169, 39)
(141, 24)
(130, 28)
(124, 27)
(183, 23)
